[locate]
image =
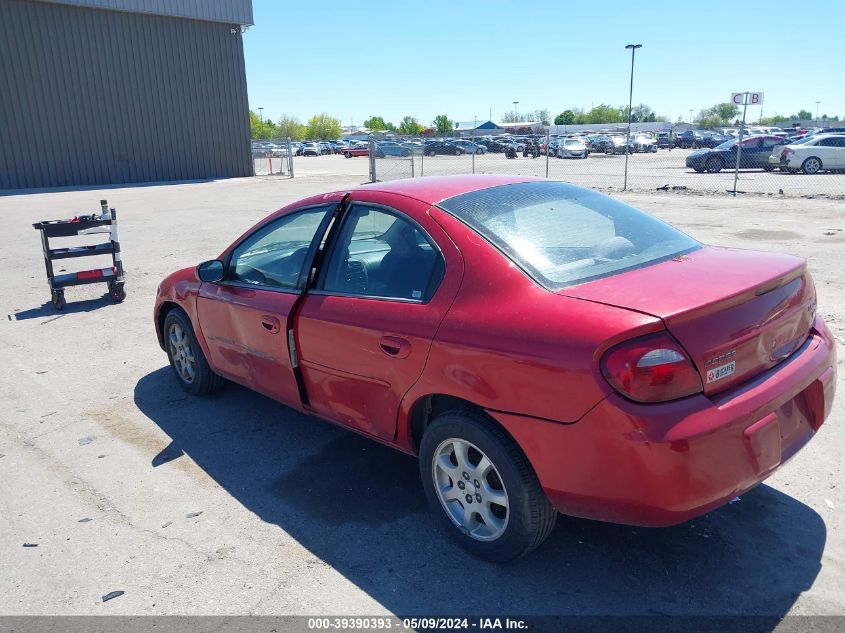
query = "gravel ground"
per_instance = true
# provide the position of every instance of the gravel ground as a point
(235, 504)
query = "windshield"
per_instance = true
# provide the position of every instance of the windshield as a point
(562, 235)
(726, 144)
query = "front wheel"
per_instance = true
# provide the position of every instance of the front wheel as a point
(482, 489)
(186, 356)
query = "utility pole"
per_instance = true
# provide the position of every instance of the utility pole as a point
(817, 113)
(516, 111)
(633, 48)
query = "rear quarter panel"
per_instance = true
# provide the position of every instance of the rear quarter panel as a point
(507, 344)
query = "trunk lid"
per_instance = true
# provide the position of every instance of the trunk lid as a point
(737, 313)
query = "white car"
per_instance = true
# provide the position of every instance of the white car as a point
(820, 152)
(571, 148)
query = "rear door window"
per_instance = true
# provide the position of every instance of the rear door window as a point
(382, 254)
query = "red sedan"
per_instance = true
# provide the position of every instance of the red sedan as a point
(540, 346)
(356, 150)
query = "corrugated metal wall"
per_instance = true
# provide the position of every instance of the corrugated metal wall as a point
(98, 97)
(229, 11)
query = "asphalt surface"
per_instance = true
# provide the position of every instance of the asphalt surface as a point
(235, 504)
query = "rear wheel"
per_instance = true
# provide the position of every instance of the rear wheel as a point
(481, 487)
(811, 165)
(186, 357)
(348, 154)
(117, 292)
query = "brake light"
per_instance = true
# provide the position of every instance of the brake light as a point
(653, 368)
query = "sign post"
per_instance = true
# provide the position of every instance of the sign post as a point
(743, 99)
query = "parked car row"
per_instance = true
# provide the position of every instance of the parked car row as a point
(810, 155)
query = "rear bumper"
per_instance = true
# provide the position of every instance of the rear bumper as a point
(661, 464)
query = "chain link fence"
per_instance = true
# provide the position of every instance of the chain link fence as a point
(650, 163)
(273, 158)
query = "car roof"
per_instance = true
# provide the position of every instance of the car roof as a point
(429, 190)
(436, 188)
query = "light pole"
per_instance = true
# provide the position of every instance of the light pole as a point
(633, 48)
(690, 116)
(817, 113)
(261, 114)
(515, 111)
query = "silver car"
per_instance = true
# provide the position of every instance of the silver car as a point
(571, 148)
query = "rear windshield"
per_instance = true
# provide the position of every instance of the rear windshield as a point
(563, 235)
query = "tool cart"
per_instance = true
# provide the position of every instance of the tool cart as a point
(106, 222)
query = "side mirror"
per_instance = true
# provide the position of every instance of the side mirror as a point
(211, 270)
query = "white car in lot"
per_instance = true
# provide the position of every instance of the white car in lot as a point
(820, 152)
(571, 148)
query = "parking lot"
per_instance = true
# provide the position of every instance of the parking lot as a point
(646, 172)
(116, 480)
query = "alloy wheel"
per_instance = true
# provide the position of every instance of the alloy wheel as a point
(182, 354)
(470, 489)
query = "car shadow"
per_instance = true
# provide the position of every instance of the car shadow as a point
(359, 506)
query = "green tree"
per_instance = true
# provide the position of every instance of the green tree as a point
(443, 125)
(643, 114)
(409, 126)
(260, 130)
(717, 115)
(376, 124)
(803, 115)
(322, 127)
(289, 126)
(567, 117)
(604, 113)
(726, 112)
(511, 116)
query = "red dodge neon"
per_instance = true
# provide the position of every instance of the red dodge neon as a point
(541, 347)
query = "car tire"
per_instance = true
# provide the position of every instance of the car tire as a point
(811, 165)
(186, 357)
(406, 153)
(768, 168)
(428, 153)
(513, 528)
(479, 151)
(714, 165)
(347, 154)
(459, 152)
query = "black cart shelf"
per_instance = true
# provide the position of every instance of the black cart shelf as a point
(105, 223)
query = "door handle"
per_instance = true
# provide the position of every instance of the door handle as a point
(394, 346)
(270, 323)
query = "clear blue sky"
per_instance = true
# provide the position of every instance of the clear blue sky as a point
(466, 57)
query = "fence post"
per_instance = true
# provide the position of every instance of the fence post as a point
(422, 159)
(290, 157)
(372, 154)
(548, 136)
(412, 162)
(739, 140)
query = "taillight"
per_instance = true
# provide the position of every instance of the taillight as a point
(653, 368)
